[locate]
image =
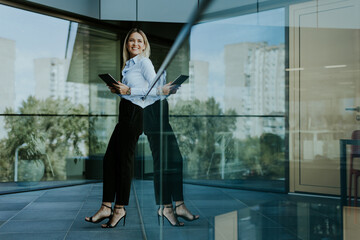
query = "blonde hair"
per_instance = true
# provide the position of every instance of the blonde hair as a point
(145, 53)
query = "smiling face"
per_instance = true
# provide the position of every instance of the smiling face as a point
(135, 44)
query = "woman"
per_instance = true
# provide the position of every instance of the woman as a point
(119, 157)
(138, 73)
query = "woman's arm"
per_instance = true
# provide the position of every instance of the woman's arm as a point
(149, 74)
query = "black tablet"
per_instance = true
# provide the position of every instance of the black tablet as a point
(179, 80)
(108, 79)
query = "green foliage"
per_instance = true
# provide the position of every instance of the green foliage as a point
(205, 133)
(55, 136)
(263, 157)
(198, 135)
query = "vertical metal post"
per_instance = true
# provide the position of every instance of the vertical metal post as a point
(343, 172)
(17, 160)
(343, 184)
(223, 157)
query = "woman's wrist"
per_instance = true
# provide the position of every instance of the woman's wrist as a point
(159, 91)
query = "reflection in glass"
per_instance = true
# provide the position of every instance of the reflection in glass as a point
(49, 88)
(230, 116)
(48, 143)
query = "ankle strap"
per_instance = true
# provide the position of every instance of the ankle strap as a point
(179, 205)
(168, 206)
(105, 206)
(115, 207)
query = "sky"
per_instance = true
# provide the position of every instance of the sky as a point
(35, 36)
(41, 36)
(208, 39)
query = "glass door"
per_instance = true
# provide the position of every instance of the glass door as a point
(324, 53)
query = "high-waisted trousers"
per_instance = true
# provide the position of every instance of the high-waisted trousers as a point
(118, 164)
(168, 162)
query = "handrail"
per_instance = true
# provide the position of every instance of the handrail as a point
(184, 32)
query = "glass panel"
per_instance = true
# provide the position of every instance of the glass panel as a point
(229, 117)
(323, 91)
(228, 122)
(49, 90)
(45, 148)
(227, 160)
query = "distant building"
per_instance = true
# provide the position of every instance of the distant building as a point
(254, 85)
(51, 75)
(7, 75)
(51, 81)
(103, 102)
(196, 87)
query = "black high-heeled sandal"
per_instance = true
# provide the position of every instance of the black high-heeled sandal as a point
(185, 217)
(176, 224)
(160, 216)
(100, 219)
(108, 225)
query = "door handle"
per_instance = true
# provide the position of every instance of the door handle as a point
(357, 109)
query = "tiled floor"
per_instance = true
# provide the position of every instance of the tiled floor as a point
(59, 214)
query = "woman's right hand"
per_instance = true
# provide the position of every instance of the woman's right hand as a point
(168, 89)
(114, 89)
(119, 88)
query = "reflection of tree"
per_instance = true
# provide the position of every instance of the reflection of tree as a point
(197, 135)
(262, 157)
(205, 141)
(272, 155)
(61, 136)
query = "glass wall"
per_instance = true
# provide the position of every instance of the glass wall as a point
(230, 116)
(273, 91)
(53, 105)
(323, 90)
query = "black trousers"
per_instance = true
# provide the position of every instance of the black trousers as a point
(118, 164)
(168, 162)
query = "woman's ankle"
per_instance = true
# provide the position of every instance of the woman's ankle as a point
(106, 204)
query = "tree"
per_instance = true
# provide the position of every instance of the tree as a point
(263, 156)
(198, 134)
(61, 136)
(202, 126)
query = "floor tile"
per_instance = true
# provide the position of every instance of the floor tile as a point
(12, 206)
(33, 236)
(216, 204)
(104, 234)
(16, 199)
(254, 233)
(36, 226)
(5, 215)
(178, 233)
(61, 198)
(45, 206)
(39, 215)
